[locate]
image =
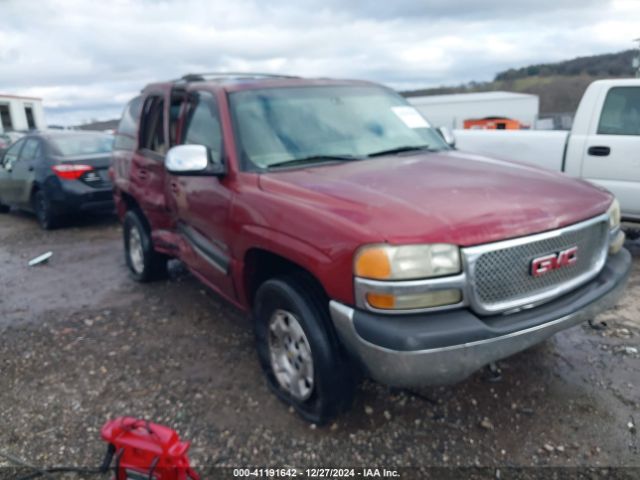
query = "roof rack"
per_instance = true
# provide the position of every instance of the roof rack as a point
(202, 77)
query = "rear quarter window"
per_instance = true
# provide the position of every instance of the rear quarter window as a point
(30, 151)
(127, 134)
(621, 112)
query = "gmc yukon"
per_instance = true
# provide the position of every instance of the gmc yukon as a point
(359, 240)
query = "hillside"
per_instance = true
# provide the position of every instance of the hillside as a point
(559, 85)
(100, 126)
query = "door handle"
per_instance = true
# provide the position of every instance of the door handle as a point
(174, 186)
(599, 151)
(142, 174)
(31, 168)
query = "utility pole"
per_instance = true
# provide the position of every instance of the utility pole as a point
(636, 60)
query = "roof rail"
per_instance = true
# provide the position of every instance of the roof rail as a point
(201, 77)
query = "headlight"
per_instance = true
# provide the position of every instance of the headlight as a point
(614, 214)
(406, 262)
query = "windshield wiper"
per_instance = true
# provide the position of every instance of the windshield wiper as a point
(406, 148)
(314, 159)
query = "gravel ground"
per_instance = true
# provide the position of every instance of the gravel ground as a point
(82, 343)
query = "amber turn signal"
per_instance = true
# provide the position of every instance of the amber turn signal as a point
(383, 301)
(438, 298)
(373, 263)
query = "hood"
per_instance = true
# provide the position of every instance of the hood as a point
(450, 197)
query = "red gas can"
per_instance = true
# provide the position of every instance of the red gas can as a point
(145, 450)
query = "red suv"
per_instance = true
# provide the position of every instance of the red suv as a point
(360, 241)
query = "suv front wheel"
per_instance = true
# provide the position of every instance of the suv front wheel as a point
(298, 352)
(145, 264)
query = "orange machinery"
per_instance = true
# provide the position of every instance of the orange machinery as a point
(493, 123)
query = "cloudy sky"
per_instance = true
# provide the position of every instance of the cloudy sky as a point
(87, 58)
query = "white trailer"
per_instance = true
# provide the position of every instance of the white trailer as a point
(21, 113)
(452, 110)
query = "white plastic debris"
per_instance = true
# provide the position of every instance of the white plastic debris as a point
(41, 260)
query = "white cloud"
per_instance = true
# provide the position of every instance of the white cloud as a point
(86, 58)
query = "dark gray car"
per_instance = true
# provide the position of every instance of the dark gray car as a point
(55, 174)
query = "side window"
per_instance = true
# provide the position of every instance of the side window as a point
(152, 128)
(128, 126)
(11, 157)
(202, 124)
(621, 112)
(30, 149)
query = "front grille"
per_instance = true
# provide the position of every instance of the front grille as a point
(501, 274)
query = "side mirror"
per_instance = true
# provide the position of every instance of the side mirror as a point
(192, 160)
(447, 136)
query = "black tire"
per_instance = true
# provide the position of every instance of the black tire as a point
(4, 208)
(47, 219)
(334, 381)
(148, 265)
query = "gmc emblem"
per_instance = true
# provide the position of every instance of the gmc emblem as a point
(542, 265)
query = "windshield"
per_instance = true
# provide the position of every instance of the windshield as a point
(69, 145)
(279, 125)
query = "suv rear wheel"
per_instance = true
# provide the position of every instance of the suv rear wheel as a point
(4, 208)
(298, 351)
(145, 264)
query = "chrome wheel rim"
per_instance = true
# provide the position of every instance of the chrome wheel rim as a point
(290, 353)
(136, 254)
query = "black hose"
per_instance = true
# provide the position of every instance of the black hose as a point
(46, 471)
(63, 469)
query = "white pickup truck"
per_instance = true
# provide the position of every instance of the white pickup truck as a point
(603, 147)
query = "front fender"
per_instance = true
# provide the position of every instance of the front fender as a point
(331, 268)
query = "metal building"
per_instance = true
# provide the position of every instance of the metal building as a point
(452, 110)
(21, 113)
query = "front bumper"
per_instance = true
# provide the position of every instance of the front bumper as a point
(446, 347)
